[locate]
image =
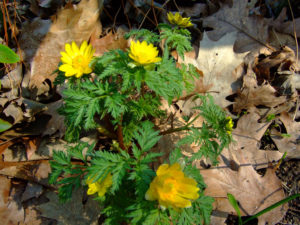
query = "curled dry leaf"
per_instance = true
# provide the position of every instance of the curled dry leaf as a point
(254, 95)
(263, 84)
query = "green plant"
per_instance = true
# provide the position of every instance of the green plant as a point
(7, 55)
(121, 100)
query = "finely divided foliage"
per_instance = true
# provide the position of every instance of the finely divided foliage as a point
(120, 99)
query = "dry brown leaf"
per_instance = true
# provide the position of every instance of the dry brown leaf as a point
(278, 61)
(288, 144)
(71, 24)
(32, 34)
(286, 27)
(219, 65)
(251, 190)
(236, 174)
(32, 190)
(109, 42)
(73, 212)
(252, 30)
(252, 95)
(15, 112)
(12, 81)
(31, 217)
(31, 145)
(35, 171)
(11, 212)
(247, 136)
(56, 123)
(195, 10)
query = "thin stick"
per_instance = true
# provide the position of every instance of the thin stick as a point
(295, 35)
(130, 1)
(4, 21)
(152, 6)
(128, 21)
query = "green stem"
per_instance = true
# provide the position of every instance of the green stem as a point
(185, 127)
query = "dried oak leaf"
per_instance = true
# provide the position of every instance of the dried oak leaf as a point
(71, 24)
(290, 143)
(252, 95)
(219, 65)
(252, 30)
(35, 171)
(252, 191)
(109, 42)
(56, 123)
(284, 26)
(247, 136)
(73, 212)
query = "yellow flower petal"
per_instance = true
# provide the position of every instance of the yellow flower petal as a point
(66, 58)
(83, 47)
(69, 50)
(75, 48)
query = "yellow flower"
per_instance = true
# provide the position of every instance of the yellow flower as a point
(76, 60)
(229, 124)
(179, 20)
(172, 188)
(100, 187)
(143, 54)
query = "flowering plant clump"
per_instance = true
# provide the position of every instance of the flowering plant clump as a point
(179, 20)
(76, 61)
(122, 102)
(172, 188)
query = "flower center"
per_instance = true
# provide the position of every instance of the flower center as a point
(80, 62)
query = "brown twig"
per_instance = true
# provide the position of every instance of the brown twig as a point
(3, 6)
(295, 35)
(153, 11)
(131, 3)
(128, 21)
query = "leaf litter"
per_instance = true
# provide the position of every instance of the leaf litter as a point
(241, 65)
